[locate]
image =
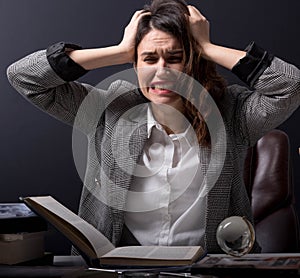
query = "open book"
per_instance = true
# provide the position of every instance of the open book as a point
(97, 250)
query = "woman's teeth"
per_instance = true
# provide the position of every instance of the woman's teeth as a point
(160, 87)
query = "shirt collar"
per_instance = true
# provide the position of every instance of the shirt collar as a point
(151, 122)
(189, 136)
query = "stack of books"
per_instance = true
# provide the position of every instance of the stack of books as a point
(22, 234)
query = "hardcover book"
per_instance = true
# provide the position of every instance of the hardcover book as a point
(98, 251)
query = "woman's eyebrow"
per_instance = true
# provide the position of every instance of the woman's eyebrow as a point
(171, 51)
(175, 51)
(145, 53)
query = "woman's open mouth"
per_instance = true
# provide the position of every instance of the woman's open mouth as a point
(161, 88)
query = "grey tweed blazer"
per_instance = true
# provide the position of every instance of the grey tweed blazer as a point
(247, 113)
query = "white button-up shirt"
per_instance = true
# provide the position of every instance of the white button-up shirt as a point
(164, 205)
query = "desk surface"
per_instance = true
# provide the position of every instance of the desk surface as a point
(63, 266)
(75, 267)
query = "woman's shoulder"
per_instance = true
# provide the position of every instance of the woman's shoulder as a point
(232, 100)
(235, 92)
(236, 89)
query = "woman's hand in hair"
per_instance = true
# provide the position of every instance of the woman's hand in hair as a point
(224, 56)
(128, 41)
(199, 27)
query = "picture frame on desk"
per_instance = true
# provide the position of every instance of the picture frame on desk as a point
(19, 218)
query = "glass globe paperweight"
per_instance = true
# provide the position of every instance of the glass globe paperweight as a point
(235, 236)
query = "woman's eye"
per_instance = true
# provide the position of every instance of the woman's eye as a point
(150, 59)
(175, 59)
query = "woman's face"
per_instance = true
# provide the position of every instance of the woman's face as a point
(159, 61)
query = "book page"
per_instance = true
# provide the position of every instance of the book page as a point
(70, 224)
(155, 252)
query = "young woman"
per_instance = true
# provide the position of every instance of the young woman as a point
(165, 157)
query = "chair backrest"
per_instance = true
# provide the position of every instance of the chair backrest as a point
(269, 181)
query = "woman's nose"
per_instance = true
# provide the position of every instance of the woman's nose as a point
(162, 67)
(162, 62)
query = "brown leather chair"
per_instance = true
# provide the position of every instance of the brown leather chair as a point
(269, 181)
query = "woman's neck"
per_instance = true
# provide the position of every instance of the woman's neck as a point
(172, 119)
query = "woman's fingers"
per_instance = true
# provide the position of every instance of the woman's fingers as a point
(137, 15)
(128, 41)
(195, 13)
(199, 26)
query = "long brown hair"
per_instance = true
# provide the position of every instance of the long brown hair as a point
(170, 16)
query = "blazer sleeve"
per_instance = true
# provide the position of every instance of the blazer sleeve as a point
(38, 81)
(273, 98)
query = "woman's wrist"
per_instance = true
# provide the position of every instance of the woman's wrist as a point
(223, 56)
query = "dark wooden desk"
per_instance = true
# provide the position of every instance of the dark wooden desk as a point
(75, 267)
(71, 267)
(63, 266)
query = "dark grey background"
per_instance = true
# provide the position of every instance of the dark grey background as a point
(36, 150)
